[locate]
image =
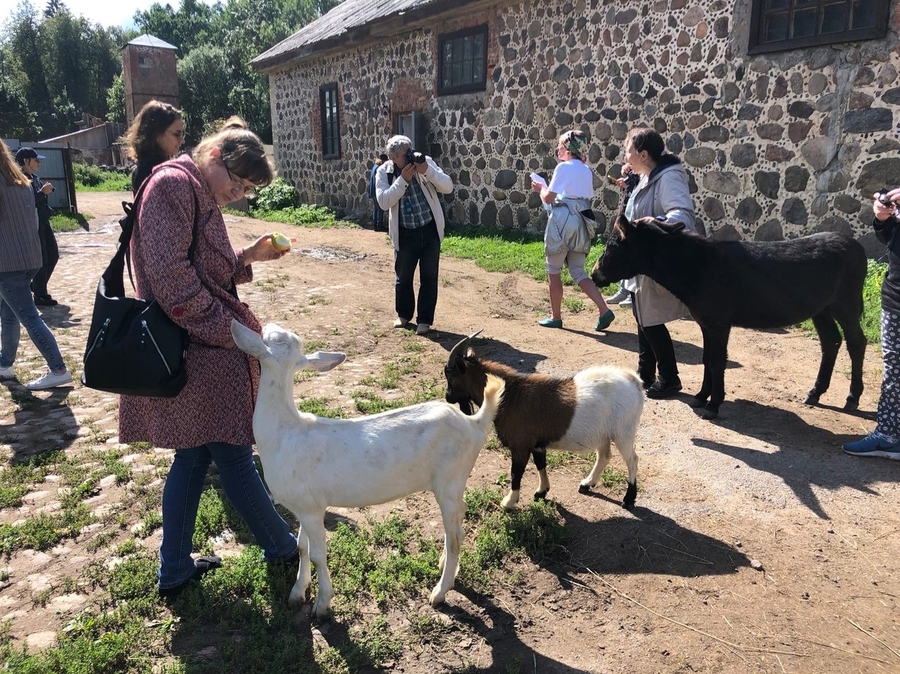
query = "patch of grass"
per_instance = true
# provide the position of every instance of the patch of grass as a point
(43, 531)
(69, 222)
(574, 304)
(506, 250)
(369, 403)
(534, 530)
(215, 516)
(17, 480)
(390, 378)
(319, 406)
(304, 216)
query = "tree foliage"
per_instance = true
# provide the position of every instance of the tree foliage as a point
(54, 65)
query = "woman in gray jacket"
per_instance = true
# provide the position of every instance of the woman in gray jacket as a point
(661, 193)
(20, 260)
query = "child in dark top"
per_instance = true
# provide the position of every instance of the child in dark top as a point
(884, 441)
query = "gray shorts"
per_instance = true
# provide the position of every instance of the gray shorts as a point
(575, 262)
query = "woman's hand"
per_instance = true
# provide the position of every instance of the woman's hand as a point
(262, 251)
(885, 210)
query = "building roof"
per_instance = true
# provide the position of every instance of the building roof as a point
(347, 22)
(147, 40)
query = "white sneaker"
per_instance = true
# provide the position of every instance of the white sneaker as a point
(49, 380)
(626, 302)
(400, 322)
(7, 373)
(620, 296)
(423, 329)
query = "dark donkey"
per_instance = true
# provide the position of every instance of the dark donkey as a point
(750, 285)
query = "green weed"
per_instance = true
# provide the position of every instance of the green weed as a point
(69, 222)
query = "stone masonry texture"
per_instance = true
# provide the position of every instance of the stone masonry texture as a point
(777, 145)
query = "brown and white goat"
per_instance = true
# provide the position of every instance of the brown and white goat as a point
(580, 414)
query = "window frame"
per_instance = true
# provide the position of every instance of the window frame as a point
(481, 29)
(756, 46)
(331, 131)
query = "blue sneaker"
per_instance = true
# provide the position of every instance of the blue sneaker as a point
(874, 444)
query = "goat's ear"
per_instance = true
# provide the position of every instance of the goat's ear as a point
(322, 361)
(247, 340)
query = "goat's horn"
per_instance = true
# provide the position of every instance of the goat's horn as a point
(459, 350)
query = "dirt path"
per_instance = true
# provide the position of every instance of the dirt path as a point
(756, 546)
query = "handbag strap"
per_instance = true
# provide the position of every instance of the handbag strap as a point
(125, 237)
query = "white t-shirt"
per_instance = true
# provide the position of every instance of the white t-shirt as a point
(573, 179)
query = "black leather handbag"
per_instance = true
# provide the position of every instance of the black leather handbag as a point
(133, 347)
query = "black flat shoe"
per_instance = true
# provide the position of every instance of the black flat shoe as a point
(662, 389)
(45, 301)
(201, 566)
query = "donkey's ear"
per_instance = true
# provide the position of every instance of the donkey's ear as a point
(624, 226)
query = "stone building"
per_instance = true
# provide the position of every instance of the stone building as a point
(784, 111)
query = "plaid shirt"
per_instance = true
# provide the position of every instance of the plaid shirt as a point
(414, 209)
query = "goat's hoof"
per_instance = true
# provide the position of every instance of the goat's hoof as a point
(584, 489)
(851, 404)
(540, 495)
(628, 505)
(811, 399)
(322, 610)
(697, 401)
(436, 598)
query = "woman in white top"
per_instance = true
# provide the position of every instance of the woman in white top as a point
(570, 228)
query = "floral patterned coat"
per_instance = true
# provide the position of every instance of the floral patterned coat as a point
(216, 404)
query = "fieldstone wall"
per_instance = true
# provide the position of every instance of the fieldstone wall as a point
(777, 146)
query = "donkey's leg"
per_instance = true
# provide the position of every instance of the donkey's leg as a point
(715, 343)
(702, 395)
(856, 347)
(830, 342)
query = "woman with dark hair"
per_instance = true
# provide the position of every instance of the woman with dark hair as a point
(570, 228)
(20, 260)
(155, 135)
(211, 419)
(661, 193)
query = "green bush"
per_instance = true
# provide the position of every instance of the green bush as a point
(89, 176)
(278, 196)
(871, 319)
(93, 179)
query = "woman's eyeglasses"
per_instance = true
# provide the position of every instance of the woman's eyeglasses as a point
(238, 186)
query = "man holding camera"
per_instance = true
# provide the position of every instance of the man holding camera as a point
(407, 186)
(30, 161)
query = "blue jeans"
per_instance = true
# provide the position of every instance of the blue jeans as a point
(17, 309)
(244, 489)
(418, 247)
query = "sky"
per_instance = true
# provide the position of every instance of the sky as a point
(104, 12)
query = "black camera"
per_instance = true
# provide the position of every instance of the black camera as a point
(883, 197)
(413, 157)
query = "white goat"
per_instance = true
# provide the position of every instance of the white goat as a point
(311, 463)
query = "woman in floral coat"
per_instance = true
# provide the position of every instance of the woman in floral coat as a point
(211, 418)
